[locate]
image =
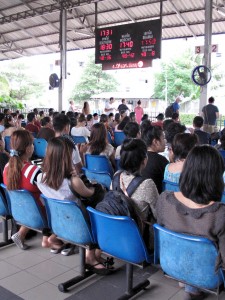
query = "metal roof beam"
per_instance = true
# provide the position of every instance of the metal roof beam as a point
(76, 14)
(125, 11)
(39, 11)
(181, 18)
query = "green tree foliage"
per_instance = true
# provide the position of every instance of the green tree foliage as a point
(175, 77)
(93, 81)
(4, 86)
(22, 86)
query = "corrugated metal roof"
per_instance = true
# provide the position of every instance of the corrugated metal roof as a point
(29, 27)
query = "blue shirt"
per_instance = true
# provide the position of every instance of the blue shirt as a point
(176, 107)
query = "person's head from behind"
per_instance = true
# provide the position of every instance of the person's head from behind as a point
(172, 129)
(111, 99)
(133, 155)
(117, 118)
(123, 101)
(132, 116)
(89, 117)
(98, 138)
(55, 168)
(50, 111)
(202, 177)
(123, 114)
(144, 125)
(132, 130)
(175, 117)
(46, 122)
(31, 117)
(111, 116)
(211, 99)
(153, 136)
(95, 116)
(222, 141)
(166, 123)
(139, 102)
(61, 124)
(160, 117)
(123, 123)
(21, 144)
(198, 122)
(2, 117)
(104, 118)
(145, 117)
(81, 120)
(8, 121)
(182, 145)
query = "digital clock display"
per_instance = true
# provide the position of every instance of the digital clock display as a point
(130, 42)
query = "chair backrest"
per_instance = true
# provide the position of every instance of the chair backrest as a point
(102, 178)
(7, 143)
(170, 186)
(40, 146)
(118, 236)
(223, 197)
(98, 163)
(109, 137)
(25, 209)
(190, 259)
(4, 211)
(67, 221)
(222, 153)
(79, 139)
(119, 137)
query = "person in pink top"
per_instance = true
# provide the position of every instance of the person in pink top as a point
(138, 112)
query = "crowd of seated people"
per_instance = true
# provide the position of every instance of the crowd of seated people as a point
(151, 150)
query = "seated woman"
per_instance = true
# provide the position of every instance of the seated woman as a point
(99, 144)
(133, 160)
(66, 185)
(19, 173)
(196, 209)
(154, 138)
(80, 129)
(122, 124)
(9, 126)
(181, 146)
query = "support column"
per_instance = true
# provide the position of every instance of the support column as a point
(207, 50)
(63, 46)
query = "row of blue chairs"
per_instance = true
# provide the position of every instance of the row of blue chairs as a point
(185, 258)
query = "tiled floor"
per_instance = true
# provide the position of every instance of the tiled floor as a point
(35, 274)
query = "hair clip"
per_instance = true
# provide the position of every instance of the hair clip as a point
(13, 152)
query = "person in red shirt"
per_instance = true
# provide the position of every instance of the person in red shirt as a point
(19, 173)
(31, 127)
(159, 121)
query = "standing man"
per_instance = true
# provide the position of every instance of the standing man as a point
(123, 106)
(110, 106)
(210, 114)
(176, 105)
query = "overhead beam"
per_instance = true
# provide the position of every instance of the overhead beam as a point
(181, 18)
(77, 16)
(43, 10)
(125, 11)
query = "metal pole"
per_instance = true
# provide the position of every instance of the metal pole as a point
(62, 45)
(207, 50)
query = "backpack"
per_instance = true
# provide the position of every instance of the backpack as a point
(115, 202)
(169, 111)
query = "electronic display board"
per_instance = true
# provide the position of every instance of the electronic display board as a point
(130, 42)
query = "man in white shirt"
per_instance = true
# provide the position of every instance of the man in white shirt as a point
(110, 106)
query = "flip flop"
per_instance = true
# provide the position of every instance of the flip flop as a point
(56, 251)
(69, 250)
(103, 271)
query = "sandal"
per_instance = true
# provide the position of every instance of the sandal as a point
(69, 250)
(56, 251)
(101, 271)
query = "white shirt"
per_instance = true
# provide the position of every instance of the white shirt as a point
(110, 105)
(80, 131)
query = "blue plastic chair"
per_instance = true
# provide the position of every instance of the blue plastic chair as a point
(170, 186)
(222, 153)
(109, 137)
(98, 163)
(119, 137)
(5, 214)
(117, 160)
(189, 259)
(120, 237)
(25, 209)
(223, 197)
(67, 221)
(7, 143)
(40, 146)
(102, 178)
(79, 139)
